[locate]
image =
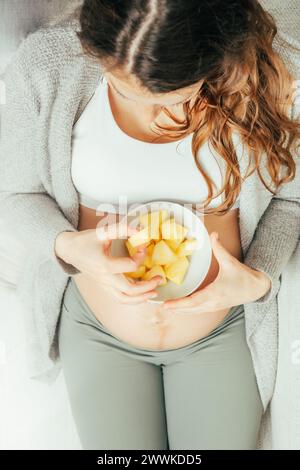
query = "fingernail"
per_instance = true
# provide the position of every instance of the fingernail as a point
(154, 294)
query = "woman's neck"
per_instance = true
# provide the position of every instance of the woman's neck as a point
(137, 120)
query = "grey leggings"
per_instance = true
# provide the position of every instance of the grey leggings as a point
(200, 396)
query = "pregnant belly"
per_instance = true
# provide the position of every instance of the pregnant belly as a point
(147, 325)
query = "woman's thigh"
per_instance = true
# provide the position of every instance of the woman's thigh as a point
(117, 402)
(211, 397)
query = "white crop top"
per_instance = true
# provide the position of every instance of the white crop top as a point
(110, 167)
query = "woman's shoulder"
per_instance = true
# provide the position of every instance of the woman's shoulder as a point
(289, 49)
(296, 100)
(47, 49)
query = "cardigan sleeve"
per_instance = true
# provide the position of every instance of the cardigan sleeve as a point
(277, 234)
(28, 213)
(275, 239)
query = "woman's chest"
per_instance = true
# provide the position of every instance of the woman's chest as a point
(105, 168)
(113, 157)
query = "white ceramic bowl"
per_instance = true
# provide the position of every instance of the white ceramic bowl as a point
(200, 259)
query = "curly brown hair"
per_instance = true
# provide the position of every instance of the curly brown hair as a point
(229, 45)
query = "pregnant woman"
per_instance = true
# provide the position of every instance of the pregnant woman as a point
(140, 101)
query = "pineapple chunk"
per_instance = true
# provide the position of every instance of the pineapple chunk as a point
(148, 260)
(164, 214)
(131, 249)
(153, 224)
(141, 237)
(145, 218)
(177, 270)
(154, 220)
(171, 230)
(156, 270)
(187, 247)
(167, 247)
(162, 253)
(138, 273)
(173, 244)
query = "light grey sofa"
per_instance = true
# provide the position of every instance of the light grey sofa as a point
(281, 424)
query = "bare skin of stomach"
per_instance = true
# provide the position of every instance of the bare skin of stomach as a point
(146, 325)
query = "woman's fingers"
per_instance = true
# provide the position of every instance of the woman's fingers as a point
(128, 299)
(182, 303)
(115, 231)
(202, 299)
(134, 288)
(117, 265)
(120, 264)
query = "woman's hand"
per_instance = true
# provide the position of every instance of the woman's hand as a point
(235, 284)
(89, 251)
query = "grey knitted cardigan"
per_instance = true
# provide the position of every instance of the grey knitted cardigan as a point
(48, 84)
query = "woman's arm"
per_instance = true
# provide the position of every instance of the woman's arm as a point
(28, 213)
(275, 239)
(257, 279)
(278, 232)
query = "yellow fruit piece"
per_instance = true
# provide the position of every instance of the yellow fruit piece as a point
(167, 247)
(138, 273)
(145, 218)
(164, 214)
(162, 253)
(171, 230)
(156, 270)
(131, 249)
(173, 244)
(177, 270)
(148, 260)
(153, 220)
(139, 238)
(187, 247)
